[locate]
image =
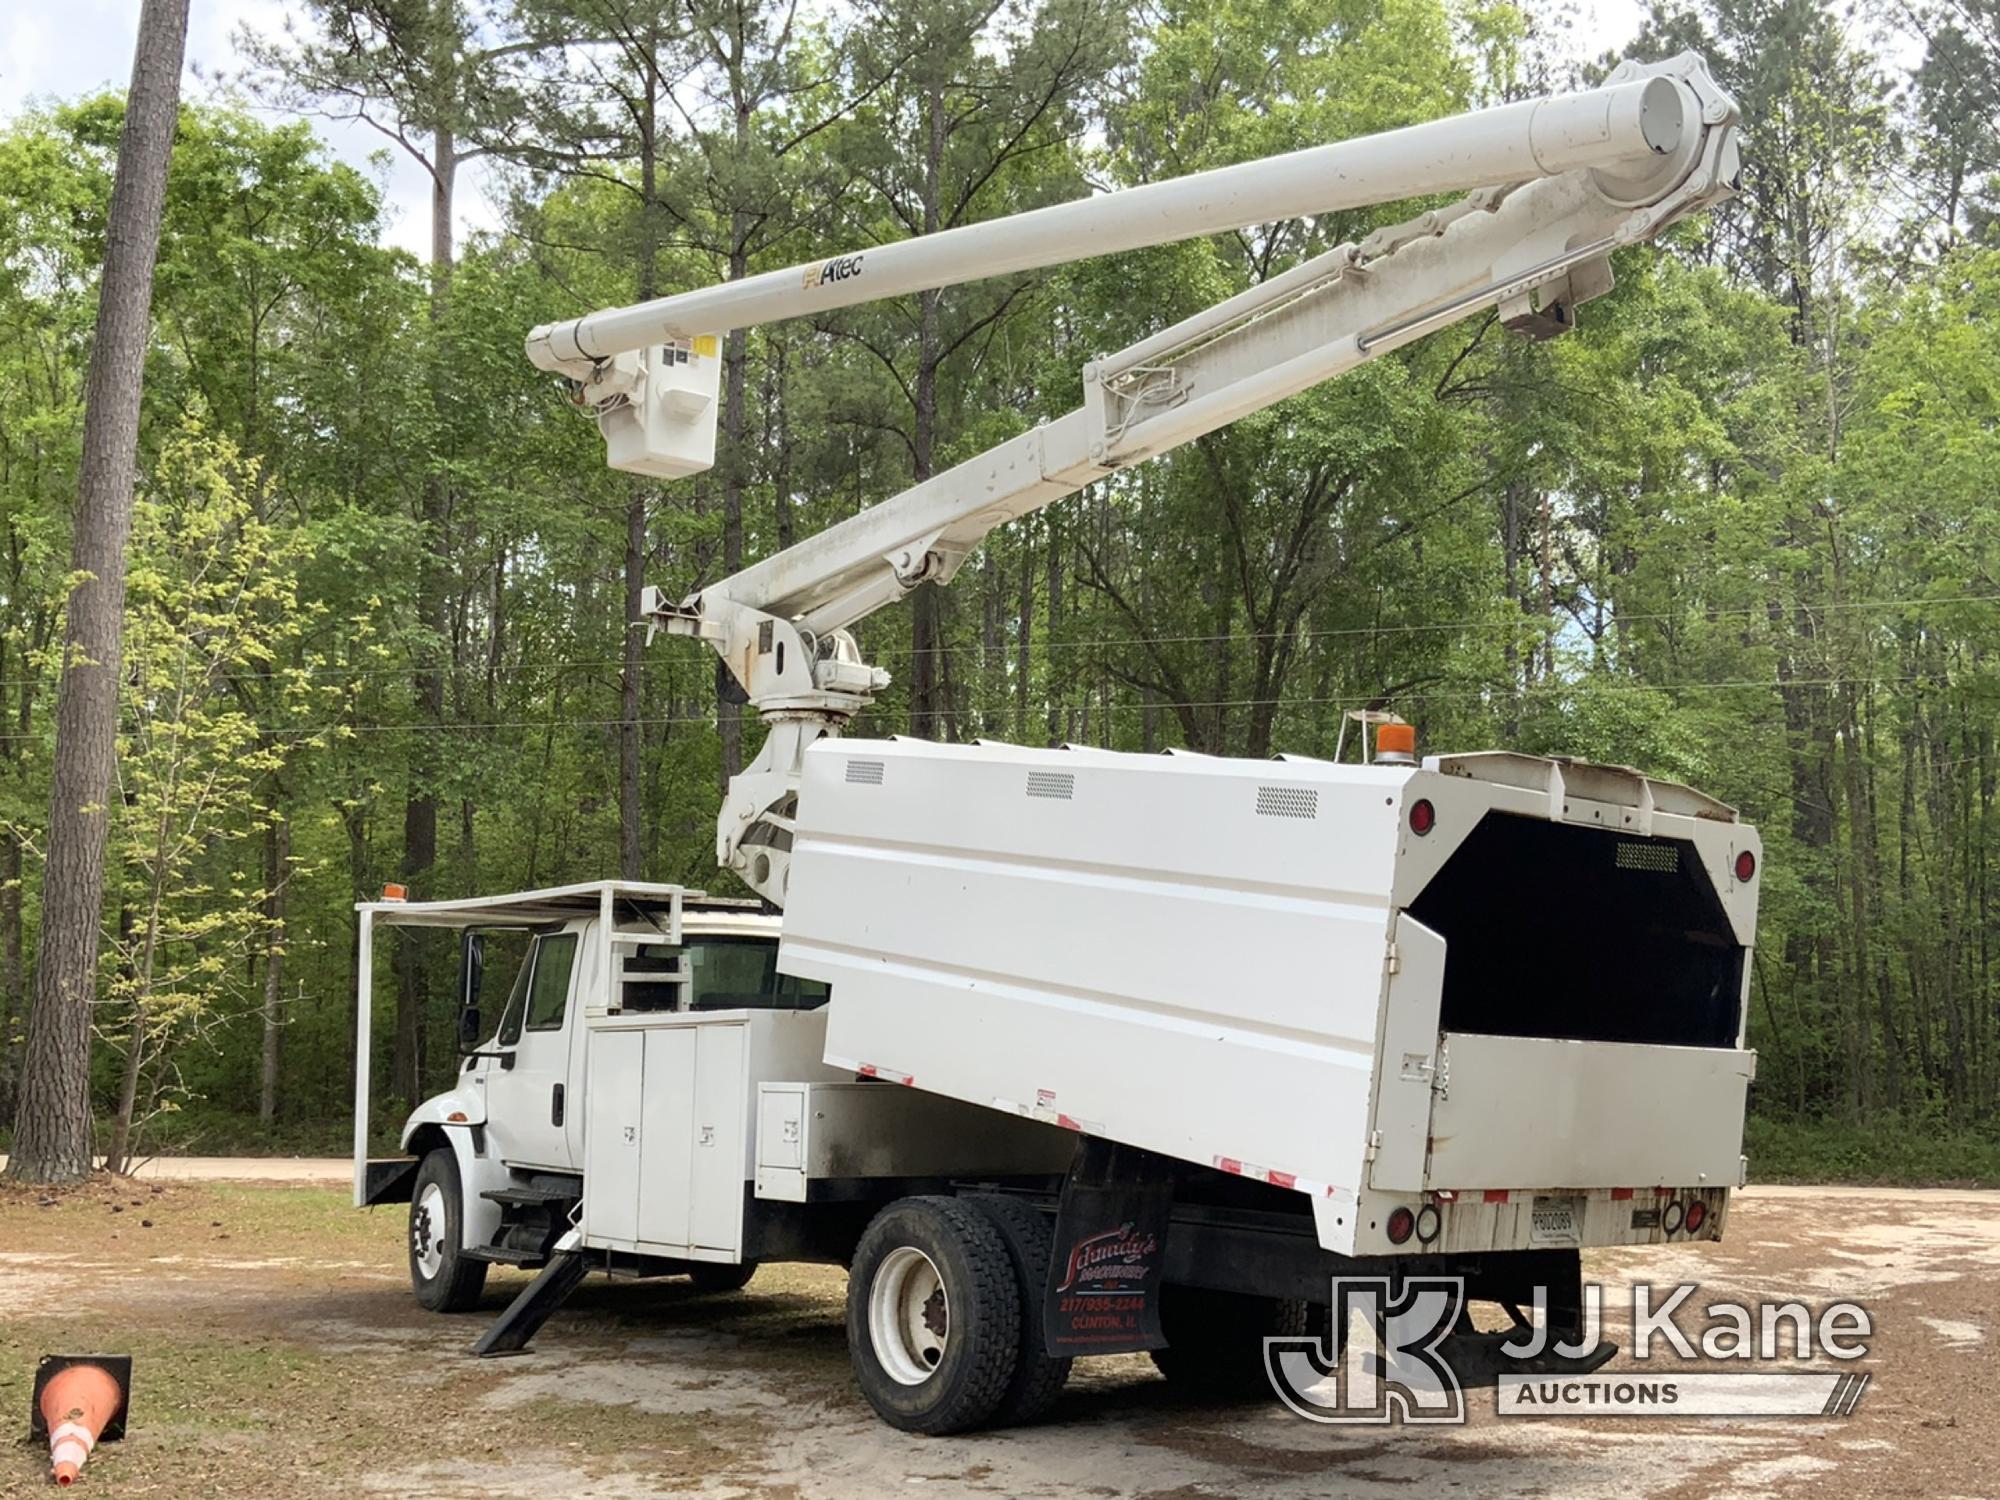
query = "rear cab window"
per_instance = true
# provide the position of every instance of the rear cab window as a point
(732, 972)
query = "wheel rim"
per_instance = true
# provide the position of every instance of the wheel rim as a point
(909, 1315)
(427, 1222)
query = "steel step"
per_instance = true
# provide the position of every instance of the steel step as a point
(526, 1196)
(499, 1255)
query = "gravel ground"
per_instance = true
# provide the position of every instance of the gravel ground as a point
(279, 1354)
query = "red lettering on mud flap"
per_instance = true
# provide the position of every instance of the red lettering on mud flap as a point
(1103, 1295)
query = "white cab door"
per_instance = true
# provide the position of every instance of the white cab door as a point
(527, 1080)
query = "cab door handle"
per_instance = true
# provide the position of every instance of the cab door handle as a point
(556, 1105)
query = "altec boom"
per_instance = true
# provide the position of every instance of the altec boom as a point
(1556, 186)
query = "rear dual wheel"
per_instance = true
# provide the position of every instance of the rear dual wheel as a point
(944, 1314)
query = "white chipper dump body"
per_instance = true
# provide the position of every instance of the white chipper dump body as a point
(1503, 993)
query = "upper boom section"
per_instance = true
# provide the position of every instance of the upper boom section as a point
(1624, 131)
(1560, 185)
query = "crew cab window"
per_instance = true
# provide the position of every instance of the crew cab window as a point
(739, 973)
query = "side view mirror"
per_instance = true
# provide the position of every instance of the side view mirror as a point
(472, 968)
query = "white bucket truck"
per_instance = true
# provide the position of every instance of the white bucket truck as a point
(1066, 1051)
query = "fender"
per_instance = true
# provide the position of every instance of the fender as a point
(454, 1118)
(459, 1106)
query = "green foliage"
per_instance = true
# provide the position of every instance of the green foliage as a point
(217, 689)
(1738, 529)
(1904, 1153)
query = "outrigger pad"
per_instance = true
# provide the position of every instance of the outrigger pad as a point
(117, 1366)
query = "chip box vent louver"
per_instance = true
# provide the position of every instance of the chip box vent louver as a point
(1661, 859)
(1060, 785)
(865, 772)
(1287, 802)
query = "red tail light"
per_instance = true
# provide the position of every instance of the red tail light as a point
(1697, 1215)
(1746, 866)
(1402, 1224)
(1423, 818)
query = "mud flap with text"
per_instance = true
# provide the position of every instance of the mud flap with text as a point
(1103, 1292)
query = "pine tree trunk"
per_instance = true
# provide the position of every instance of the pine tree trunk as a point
(52, 1123)
(735, 420)
(413, 951)
(1023, 645)
(927, 604)
(632, 651)
(277, 859)
(13, 998)
(631, 853)
(118, 1158)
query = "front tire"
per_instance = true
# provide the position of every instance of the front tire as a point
(933, 1316)
(444, 1278)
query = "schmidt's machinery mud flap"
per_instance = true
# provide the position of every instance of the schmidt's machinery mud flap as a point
(1103, 1291)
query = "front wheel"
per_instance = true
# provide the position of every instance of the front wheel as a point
(444, 1277)
(933, 1316)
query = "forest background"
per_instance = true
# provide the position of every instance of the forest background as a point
(1738, 530)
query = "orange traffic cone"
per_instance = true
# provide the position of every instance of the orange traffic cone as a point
(78, 1400)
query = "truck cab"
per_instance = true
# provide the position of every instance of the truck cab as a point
(493, 1166)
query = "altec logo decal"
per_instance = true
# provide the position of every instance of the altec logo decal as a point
(1105, 1263)
(826, 273)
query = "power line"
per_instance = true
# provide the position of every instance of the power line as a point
(1353, 700)
(1428, 627)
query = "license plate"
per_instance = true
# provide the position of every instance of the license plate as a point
(1556, 1221)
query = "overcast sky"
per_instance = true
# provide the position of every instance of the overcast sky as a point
(58, 49)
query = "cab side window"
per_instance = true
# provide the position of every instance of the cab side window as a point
(548, 991)
(541, 989)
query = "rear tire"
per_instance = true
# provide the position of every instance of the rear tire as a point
(713, 1277)
(1038, 1375)
(444, 1278)
(1215, 1340)
(933, 1316)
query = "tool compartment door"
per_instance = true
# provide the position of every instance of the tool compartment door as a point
(719, 1152)
(1518, 1112)
(667, 1159)
(614, 1088)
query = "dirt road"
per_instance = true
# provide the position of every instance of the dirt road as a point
(279, 1354)
(241, 1169)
